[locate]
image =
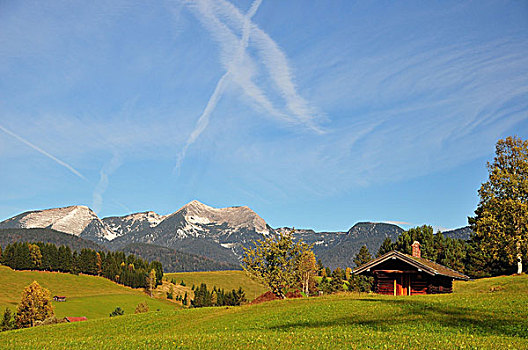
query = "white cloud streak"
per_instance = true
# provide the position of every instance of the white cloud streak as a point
(203, 121)
(405, 223)
(107, 170)
(40, 150)
(223, 20)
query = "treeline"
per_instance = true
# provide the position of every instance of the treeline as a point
(46, 235)
(441, 249)
(176, 261)
(127, 270)
(217, 297)
(468, 257)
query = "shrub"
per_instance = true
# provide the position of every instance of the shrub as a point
(141, 308)
(117, 312)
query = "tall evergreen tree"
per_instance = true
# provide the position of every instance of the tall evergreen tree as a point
(385, 247)
(363, 256)
(8, 321)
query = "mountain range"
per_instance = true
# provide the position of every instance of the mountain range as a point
(217, 234)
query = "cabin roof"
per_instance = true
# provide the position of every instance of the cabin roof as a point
(425, 265)
(75, 319)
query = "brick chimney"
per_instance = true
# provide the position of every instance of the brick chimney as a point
(416, 249)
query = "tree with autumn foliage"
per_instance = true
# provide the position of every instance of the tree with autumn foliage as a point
(34, 306)
(151, 282)
(500, 224)
(307, 268)
(274, 261)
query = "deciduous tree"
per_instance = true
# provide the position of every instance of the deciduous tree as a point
(500, 224)
(35, 254)
(274, 261)
(307, 268)
(34, 306)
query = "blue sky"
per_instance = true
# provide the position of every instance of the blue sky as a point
(315, 114)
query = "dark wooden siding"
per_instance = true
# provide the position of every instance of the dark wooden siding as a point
(440, 285)
(384, 284)
(419, 284)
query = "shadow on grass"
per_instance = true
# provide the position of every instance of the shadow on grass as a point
(421, 313)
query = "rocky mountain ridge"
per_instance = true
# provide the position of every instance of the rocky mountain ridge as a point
(216, 233)
(77, 220)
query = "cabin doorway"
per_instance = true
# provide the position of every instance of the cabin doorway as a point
(402, 284)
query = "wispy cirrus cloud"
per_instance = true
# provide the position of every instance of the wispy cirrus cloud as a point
(41, 151)
(224, 21)
(108, 169)
(404, 223)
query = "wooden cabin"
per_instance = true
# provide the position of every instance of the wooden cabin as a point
(396, 273)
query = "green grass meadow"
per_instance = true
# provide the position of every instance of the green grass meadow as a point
(483, 314)
(227, 280)
(90, 296)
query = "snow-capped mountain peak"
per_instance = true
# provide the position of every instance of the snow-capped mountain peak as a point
(77, 220)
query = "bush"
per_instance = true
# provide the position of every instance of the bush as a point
(48, 321)
(141, 308)
(117, 312)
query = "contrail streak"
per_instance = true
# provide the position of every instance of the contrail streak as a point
(40, 150)
(107, 170)
(203, 121)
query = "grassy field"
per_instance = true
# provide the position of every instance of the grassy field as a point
(485, 314)
(90, 296)
(221, 279)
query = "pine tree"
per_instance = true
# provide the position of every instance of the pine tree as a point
(8, 321)
(386, 246)
(363, 256)
(34, 306)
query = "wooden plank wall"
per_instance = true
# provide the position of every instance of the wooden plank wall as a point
(384, 284)
(440, 285)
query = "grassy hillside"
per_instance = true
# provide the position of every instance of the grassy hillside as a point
(90, 296)
(221, 279)
(479, 315)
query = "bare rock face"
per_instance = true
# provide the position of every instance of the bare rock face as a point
(201, 219)
(133, 223)
(76, 220)
(219, 233)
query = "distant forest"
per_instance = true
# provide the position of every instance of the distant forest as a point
(127, 270)
(176, 261)
(172, 260)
